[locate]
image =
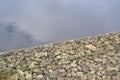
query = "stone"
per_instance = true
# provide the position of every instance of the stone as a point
(20, 54)
(111, 54)
(2, 63)
(111, 73)
(59, 57)
(39, 77)
(65, 55)
(21, 73)
(110, 47)
(26, 73)
(82, 53)
(110, 68)
(34, 75)
(91, 47)
(11, 65)
(58, 52)
(85, 68)
(79, 68)
(72, 52)
(50, 71)
(32, 65)
(118, 76)
(36, 55)
(62, 70)
(16, 77)
(37, 59)
(107, 42)
(74, 69)
(36, 70)
(84, 77)
(79, 74)
(74, 74)
(28, 77)
(73, 65)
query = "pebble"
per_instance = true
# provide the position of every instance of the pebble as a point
(91, 47)
(73, 65)
(39, 77)
(28, 77)
(58, 57)
(110, 68)
(36, 70)
(11, 65)
(50, 71)
(79, 74)
(110, 47)
(32, 65)
(62, 70)
(85, 68)
(21, 73)
(84, 77)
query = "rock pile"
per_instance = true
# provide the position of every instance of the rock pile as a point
(91, 58)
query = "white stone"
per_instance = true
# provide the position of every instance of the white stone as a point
(50, 71)
(39, 77)
(73, 65)
(91, 47)
(58, 57)
(79, 73)
(20, 72)
(62, 70)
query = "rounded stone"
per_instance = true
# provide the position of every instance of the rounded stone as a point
(39, 77)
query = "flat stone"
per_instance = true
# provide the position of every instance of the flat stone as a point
(72, 52)
(62, 70)
(21, 73)
(50, 71)
(85, 68)
(110, 68)
(28, 77)
(36, 70)
(20, 54)
(91, 47)
(39, 77)
(79, 74)
(32, 65)
(110, 47)
(59, 57)
(111, 73)
(11, 65)
(73, 65)
(26, 73)
(84, 77)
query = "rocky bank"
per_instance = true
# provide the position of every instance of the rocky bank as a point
(91, 58)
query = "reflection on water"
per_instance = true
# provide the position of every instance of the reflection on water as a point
(47, 21)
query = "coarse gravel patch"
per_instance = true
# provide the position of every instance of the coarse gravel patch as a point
(90, 58)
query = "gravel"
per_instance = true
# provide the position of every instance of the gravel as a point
(91, 58)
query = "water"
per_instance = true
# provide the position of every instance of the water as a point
(32, 23)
